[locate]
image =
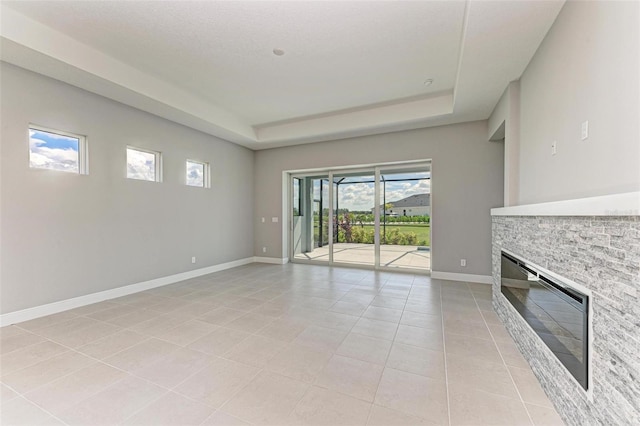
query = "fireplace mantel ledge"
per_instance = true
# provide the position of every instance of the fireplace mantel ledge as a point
(626, 204)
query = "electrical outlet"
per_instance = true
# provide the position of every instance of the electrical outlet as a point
(263, 220)
(463, 262)
(554, 147)
(264, 249)
(585, 129)
(274, 219)
(193, 259)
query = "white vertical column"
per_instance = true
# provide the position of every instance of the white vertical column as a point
(330, 230)
(376, 215)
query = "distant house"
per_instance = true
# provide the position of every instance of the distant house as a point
(415, 205)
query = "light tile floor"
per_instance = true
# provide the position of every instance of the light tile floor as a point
(276, 345)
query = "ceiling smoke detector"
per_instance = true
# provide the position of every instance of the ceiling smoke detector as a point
(428, 82)
(278, 52)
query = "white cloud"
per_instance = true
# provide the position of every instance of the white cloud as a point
(360, 196)
(141, 165)
(356, 196)
(43, 157)
(400, 190)
(195, 174)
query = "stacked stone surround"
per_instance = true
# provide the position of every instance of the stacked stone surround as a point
(602, 254)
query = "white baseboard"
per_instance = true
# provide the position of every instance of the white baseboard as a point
(273, 260)
(480, 279)
(76, 302)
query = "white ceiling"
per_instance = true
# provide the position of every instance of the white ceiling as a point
(350, 68)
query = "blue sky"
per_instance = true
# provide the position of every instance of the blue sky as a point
(55, 141)
(53, 151)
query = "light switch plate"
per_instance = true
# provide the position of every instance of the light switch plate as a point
(585, 129)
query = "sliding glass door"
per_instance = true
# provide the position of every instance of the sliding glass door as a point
(310, 218)
(354, 224)
(378, 217)
(405, 211)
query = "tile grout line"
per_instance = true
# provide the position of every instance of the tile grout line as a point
(263, 369)
(254, 333)
(444, 353)
(167, 389)
(333, 353)
(69, 349)
(502, 358)
(384, 367)
(103, 362)
(310, 385)
(144, 406)
(42, 408)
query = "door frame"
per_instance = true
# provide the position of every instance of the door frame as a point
(374, 169)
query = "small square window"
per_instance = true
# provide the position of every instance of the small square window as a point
(57, 150)
(144, 165)
(197, 174)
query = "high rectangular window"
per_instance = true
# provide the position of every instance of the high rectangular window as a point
(144, 165)
(197, 174)
(57, 150)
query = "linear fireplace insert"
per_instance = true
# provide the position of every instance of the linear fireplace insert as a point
(556, 311)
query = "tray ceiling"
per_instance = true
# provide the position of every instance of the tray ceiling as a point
(349, 68)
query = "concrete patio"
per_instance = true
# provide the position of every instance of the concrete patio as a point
(363, 254)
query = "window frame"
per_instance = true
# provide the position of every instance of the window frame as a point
(83, 148)
(298, 195)
(206, 173)
(157, 160)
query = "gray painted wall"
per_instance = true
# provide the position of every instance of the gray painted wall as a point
(65, 235)
(586, 68)
(504, 125)
(466, 184)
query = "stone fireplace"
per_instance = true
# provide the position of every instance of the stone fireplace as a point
(555, 308)
(601, 253)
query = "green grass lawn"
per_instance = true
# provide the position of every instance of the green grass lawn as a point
(423, 231)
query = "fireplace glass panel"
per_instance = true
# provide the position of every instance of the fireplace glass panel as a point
(554, 310)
